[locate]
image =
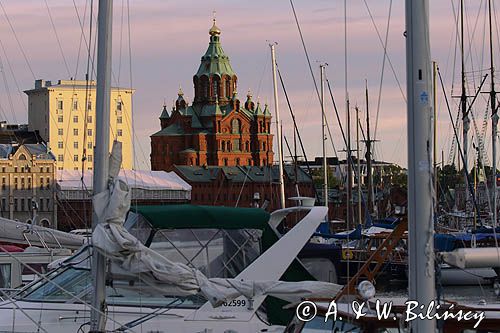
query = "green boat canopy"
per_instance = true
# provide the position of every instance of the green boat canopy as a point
(203, 217)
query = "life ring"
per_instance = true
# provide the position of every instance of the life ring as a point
(347, 254)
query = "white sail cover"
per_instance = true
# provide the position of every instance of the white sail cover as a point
(129, 256)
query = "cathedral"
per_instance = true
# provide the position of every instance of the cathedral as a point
(216, 129)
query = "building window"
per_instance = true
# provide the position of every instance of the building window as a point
(119, 120)
(119, 105)
(60, 158)
(89, 145)
(75, 144)
(263, 145)
(236, 145)
(75, 104)
(47, 183)
(75, 131)
(60, 119)
(15, 205)
(89, 132)
(223, 145)
(119, 132)
(22, 183)
(15, 169)
(60, 145)
(225, 162)
(75, 119)
(89, 119)
(59, 131)
(29, 183)
(60, 104)
(238, 161)
(89, 105)
(247, 146)
(4, 184)
(15, 183)
(228, 88)
(75, 158)
(235, 126)
(59, 168)
(89, 158)
(22, 205)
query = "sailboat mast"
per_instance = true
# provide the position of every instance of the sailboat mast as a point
(463, 106)
(434, 107)
(369, 156)
(278, 127)
(323, 134)
(494, 122)
(419, 113)
(358, 165)
(349, 168)
(101, 161)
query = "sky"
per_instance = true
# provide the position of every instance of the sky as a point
(157, 46)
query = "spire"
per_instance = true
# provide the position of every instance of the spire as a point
(218, 111)
(258, 110)
(181, 102)
(215, 61)
(164, 113)
(214, 31)
(249, 104)
(267, 113)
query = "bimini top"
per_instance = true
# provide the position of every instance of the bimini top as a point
(203, 217)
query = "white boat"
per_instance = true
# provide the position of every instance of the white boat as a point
(59, 301)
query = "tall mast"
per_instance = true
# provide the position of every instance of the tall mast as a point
(349, 168)
(419, 113)
(434, 107)
(101, 161)
(323, 133)
(494, 123)
(369, 157)
(278, 127)
(359, 166)
(463, 105)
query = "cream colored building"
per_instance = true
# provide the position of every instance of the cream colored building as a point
(27, 176)
(64, 115)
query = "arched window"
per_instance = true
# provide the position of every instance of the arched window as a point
(215, 83)
(22, 157)
(228, 87)
(235, 126)
(223, 145)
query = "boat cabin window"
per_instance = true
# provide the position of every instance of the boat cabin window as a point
(65, 286)
(215, 252)
(75, 284)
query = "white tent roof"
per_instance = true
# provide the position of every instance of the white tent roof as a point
(136, 179)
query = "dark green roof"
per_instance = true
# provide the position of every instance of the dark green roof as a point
(203, 217)
(215, 61)
(174, 129)
(164, 113)
(240, 174)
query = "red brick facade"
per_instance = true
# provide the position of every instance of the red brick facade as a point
(215, 130)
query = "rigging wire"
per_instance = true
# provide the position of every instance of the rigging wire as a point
(57, 38)
(458, 144)
(17, 40)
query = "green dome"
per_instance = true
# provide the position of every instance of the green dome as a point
(215, 61)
